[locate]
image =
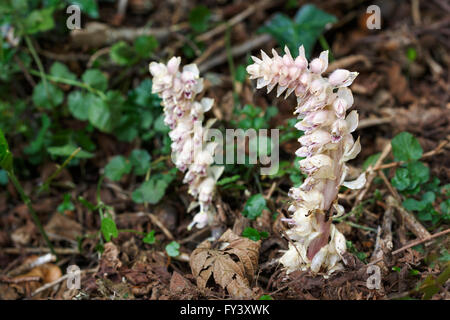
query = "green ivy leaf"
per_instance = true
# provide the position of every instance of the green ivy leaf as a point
(308, 24)
(145, 45)
(66, 205)
(79, 103)
(265, 297)
(96, 79)
(401, 180)
(254, 206)
(61, 71)
(50, 98)
(99, 114)
(117, 167)
(418, 172)
(140, 159)
(405, 147)
(153, 190)
(39, 21)
(173, 249)
(149, 237)
(198, 18)
(109, 229)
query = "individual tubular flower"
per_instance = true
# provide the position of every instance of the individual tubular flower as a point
(184, 116)
(326, 145)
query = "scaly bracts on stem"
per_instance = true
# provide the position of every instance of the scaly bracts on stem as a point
(326, 145)
(184, 116)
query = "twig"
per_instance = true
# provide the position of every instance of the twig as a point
(59, 251)
(364, 123)
(415, 243)
(372, 175)
(389, 186)
(98, 34)
(410, 220)
(160, 225)
(195, 235)
(97, 54)
(348, 61)
(64, 277)
(236, 19)
(384, 237)
(236, 51)
(37, 262)
(428, 154)
(19, 280)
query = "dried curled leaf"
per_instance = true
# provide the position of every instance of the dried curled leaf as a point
(232, 264)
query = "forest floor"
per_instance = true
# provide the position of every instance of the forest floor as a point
(403, 85)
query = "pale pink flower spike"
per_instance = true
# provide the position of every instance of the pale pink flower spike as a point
(326, 145)
(178, 90)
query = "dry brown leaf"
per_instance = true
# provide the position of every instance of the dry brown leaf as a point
(232, 265)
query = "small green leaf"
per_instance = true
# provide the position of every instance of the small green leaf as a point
(39, 21)
(227, 180)
(96, 79)
(198, 18)
(80, 102)
(405, 147)
(401, 180)
(149, 237)
(87, 6)
(265, 297)
(254, 206)
(66, 205)
(61, 71)
(254, 234)
(411, 54)
(109, 229)
(145, 45)
(140, 159)
(50, 98)
(309, 23)
(99, 114)
(123, 54)
(418, 172)
(173, 249)
(151, 191)
(117, 167)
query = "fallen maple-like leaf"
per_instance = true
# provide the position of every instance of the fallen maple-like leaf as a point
(232, 263)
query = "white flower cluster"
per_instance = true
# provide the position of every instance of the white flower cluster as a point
(178, 90)
(326, 145)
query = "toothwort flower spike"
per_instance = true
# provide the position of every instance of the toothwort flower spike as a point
(322, 104)
(184, 115)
